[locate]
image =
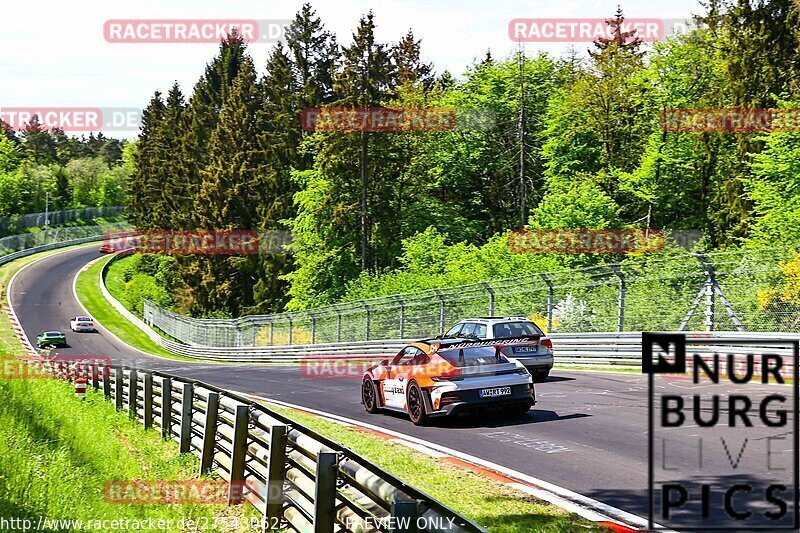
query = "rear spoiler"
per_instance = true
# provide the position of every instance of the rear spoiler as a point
(490, 342)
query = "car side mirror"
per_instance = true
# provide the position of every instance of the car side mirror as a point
(384, 362)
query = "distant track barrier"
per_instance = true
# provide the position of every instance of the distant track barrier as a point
(296, 478)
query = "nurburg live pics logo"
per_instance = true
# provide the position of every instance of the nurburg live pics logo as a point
(722, 432)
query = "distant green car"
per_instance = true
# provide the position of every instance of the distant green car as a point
(51, 338)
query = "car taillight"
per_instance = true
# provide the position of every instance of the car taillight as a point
(547, 343)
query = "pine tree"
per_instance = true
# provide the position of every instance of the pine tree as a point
(145, 184)
(314, 52)
(410, 68)
(228, 195)
(38, 145)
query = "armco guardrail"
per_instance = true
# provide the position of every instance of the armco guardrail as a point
(294, 477)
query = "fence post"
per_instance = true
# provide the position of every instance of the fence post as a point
(441, 310)
(338, 323)
(490, 290)
(166, 408)
(238, 454)
(209, 433)
(709, 293)
(291, 325)
(276, 462)
(402, 315)
(133, 393)
(313, 327)
(119, 382)
(620, 297)
(405, 512)
(366, 319)
(148, 400)
(95, 378)
(187, 399)
(325, 491)
(550, 298)
(271, 331)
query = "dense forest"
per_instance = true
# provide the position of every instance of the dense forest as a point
(438, 204)
(88, 171)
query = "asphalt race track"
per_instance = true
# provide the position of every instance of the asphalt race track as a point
(587, 432)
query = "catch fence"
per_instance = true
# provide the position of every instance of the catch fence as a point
(747, 290)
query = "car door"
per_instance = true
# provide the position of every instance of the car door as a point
(394, 386)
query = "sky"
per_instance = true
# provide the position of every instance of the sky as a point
(54, 53)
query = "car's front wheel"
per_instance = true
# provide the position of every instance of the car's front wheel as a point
(416, 405)
(369, 396)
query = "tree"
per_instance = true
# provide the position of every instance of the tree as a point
(38, 145)
(314, 52)
(410, 68)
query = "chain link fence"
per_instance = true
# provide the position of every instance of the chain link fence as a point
(15, 223)
(15, 243)
(746, 290)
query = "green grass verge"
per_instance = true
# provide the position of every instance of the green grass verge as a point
(59, 452)
(489, 503)
(88, 289)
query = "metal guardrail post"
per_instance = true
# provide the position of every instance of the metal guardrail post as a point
(166, 408)
(241, 422)
(119, 382)
(186, 417)
(148, 401)
(550, 301)
(133, 393)
(620, 297)
(95, 378)
(325, 491)
(490, 290)
(405, 512)
(106, 382)
(209, 433)
(276, 463)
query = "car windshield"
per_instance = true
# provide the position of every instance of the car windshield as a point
(84, 319)
(478, 356)
(52, 333)
(507, 330)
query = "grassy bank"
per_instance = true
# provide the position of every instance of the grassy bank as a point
(490, 503)
(88, 289)
(59, 452)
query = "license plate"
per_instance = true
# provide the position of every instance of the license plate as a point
(524, 349)
(491, 393)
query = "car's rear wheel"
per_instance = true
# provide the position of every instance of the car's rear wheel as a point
(541, 375)
(369, 396)
(520, 410)
(416, 405)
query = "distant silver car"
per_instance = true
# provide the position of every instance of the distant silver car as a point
(536, 355)
(82, 323)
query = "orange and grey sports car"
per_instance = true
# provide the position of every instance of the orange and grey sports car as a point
(441, 377)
